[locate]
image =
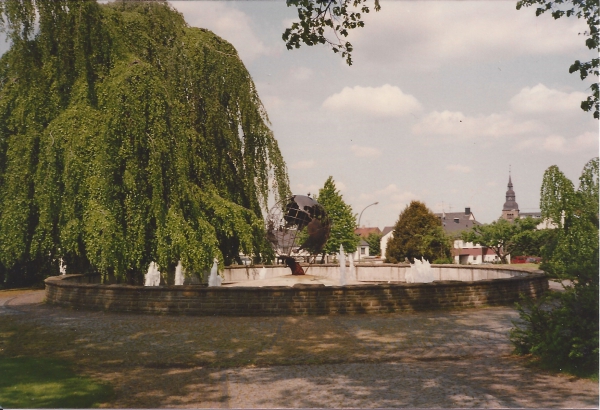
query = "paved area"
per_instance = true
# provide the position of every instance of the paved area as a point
(459, 358)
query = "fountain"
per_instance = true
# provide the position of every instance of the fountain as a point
(297, 227)
(179, 274)
(214, 279)
(419, 272)
(153, 275)
(342, 257)
(379, 288)
(62, 267)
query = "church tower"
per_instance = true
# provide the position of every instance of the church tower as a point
(510, 211)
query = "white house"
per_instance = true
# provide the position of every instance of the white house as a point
(467, 253)
(362, 250)
(387, 234)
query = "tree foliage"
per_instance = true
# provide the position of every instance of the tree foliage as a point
(343, 221)
(374, 241)
(588, 10)
(418, 233)
(562, 327)
(127, 136)
(318, 16)
(504, 237)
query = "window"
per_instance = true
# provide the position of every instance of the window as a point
(362, 250)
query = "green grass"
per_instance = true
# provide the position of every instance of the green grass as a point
(27, 382)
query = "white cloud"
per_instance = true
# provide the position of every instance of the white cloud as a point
(303, 164)
(365, 152)
(457, 124)
(384, 101)
(303, 189)
(388, 190)
(428, 35)
(227, 22)
(402, 199)
(587, 141)
(541, 99)
(459, 168)
(380, 194)
(301, 73)
(390, 197)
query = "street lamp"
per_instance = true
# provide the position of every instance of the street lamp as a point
(360, 216)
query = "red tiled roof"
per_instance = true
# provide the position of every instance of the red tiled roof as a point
(364, 232)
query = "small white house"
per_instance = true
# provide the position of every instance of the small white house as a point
(362, 250)
(387, 234)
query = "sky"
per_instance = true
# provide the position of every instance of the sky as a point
(442, 98)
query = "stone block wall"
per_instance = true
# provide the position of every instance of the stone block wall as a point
(72, 291)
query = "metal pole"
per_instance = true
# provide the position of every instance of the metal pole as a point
(360, 216)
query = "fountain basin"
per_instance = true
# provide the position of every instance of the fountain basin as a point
(455, 286)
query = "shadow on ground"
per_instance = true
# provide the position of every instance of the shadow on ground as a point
(428, 359)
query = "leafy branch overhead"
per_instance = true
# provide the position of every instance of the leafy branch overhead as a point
(588, 10)
(326, 22)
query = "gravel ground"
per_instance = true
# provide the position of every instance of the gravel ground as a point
(459, 358)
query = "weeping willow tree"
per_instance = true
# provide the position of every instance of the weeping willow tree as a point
(127, 137)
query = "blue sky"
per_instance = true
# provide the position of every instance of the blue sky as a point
(441, 99)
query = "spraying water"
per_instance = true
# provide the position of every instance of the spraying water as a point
(419, 272)
(352, 268)
(153, 275)
(214, 279)
(343, 280)
(179, 274)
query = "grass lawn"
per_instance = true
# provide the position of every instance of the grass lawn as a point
(28, 382)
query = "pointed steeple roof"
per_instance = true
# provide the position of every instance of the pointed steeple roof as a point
(510, 203)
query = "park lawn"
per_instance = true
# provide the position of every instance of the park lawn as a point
(29, 382)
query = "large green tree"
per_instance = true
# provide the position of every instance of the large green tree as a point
(588, 10)
(343, 221)
(127, 136)
(504, 237)
(418, 233)
(562, 327)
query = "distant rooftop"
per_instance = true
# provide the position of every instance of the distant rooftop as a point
(366, 231)
(457, 222)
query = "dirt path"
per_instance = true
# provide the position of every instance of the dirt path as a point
(433, 359)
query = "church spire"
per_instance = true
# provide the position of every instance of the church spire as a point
(510, 210)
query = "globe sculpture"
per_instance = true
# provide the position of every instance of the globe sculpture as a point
(297, 226)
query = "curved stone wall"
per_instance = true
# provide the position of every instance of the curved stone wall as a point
(500, 286)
